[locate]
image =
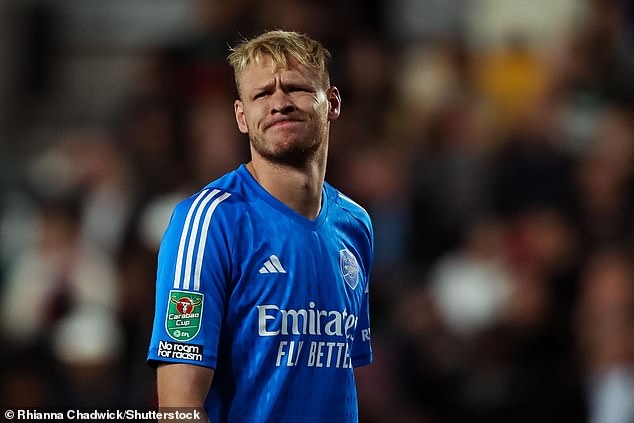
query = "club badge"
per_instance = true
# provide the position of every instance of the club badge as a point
(349, 268)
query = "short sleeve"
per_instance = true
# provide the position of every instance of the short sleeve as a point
(193, 276)
(361, 346)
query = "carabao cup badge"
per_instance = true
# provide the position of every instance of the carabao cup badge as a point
(184, 310)
(349, 268)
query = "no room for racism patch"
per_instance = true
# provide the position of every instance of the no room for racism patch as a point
(180, 351)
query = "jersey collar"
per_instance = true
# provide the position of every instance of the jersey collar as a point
(281, 207)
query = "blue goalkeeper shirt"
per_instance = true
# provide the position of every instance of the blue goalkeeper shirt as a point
(276, 303)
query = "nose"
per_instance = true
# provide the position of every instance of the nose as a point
(282, 103)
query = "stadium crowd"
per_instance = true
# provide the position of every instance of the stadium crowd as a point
(492, 143)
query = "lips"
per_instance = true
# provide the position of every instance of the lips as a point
(280, 123)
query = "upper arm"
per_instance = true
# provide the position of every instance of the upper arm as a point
(362, 346)
(192, 286)
(183, 385)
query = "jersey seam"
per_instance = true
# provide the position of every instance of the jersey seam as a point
(235, 230)
(367, 227)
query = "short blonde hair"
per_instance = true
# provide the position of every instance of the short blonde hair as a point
(281, 46)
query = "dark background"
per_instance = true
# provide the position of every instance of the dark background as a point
(491, 141)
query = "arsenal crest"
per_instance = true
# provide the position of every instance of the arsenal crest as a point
(349, 268)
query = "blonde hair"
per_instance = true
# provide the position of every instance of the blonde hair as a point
(281, 46)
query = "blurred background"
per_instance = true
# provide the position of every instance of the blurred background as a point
(492, 142)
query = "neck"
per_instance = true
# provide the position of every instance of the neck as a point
(299, 188)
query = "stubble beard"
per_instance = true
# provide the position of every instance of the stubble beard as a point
(293, 154)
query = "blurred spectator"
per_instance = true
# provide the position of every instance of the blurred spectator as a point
(532, 169)
(512, 79)
(605, 176)
(151, 131)
(55, 278)
(606, 334)
(471, 287)
(215, 147)
(195, 67)
(87, 348)
(450, 180)
(109, 194)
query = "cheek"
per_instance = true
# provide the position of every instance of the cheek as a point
(257, 112)
(314, 103)
(321, 99)
(251, 118)
(321, 110)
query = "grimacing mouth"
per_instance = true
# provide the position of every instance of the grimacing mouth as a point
(272, 122)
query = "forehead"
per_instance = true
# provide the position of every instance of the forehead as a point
(265, 68)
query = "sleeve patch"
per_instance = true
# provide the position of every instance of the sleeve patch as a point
(180, 351)
(184, 314)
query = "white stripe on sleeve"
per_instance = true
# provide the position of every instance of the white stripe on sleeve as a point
(181, 245)
(203, 238)
(192, 238)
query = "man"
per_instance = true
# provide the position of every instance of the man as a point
(262, 285)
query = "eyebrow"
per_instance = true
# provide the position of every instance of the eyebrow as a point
(295, 80)
(263, 87)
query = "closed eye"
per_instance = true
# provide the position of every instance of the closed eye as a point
(260, 94)
(292, 89)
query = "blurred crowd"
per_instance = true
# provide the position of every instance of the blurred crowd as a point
(491, 141)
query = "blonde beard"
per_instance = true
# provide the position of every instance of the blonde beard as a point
(295, 154)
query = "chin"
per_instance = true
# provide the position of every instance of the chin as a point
(288, 153)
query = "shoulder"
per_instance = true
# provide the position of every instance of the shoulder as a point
(222, 201)
(352, 209)
(349, 206)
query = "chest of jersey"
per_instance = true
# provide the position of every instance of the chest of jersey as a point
(295, 282)
(288, 266)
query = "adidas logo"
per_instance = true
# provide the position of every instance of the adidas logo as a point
(272, 265)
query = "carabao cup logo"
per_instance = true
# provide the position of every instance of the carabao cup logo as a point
(349, 268)
(184, 312)
(183, 305)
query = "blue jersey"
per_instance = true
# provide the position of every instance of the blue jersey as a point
(276, 303)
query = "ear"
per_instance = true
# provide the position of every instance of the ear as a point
(240, 119)
(334, 103)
